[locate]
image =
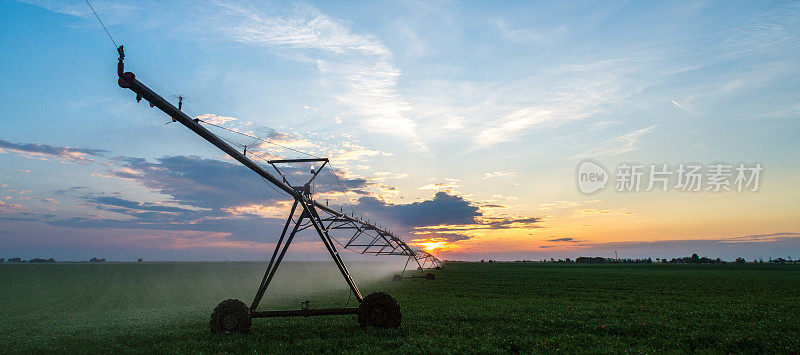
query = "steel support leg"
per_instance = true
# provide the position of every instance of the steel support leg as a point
(328, 241)
(273, 262)
(406, 266)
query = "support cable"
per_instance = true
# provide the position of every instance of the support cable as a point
(102, 24)
(257, 138)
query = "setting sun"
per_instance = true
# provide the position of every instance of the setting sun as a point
(431, 246)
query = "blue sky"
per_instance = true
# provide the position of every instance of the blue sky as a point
(477, 113)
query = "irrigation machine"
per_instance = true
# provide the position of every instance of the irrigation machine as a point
(376, 310)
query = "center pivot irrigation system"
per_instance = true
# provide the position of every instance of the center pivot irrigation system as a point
(378, 310)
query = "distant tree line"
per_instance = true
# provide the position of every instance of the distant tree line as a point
(598, 260)
(782, 261)
(693, 259)
(34, 260)
(602, 260)
(40, 260)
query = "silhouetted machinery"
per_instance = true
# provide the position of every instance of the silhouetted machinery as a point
(378, 310)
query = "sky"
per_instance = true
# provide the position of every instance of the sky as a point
(462, 126)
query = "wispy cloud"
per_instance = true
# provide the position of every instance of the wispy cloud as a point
(510, 126)
(11, 207)
(214, 119)
(306, 27)
(616, 146)
(527, 35)
(769, 237)
(770, 32)
(113, 12)
(563, 239)
(496, 174)
(559, 204)
(448, 185)
(356, 67)
(46, 151)
(495, 112)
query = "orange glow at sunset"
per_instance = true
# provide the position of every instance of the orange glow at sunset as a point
(431, 244)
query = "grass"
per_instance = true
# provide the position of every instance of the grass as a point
(470, 307)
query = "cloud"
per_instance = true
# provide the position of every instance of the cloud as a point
(448, 185)
(207, 195)
(356, 67)
(521, 35)
(442, 209)
(286, 140)
(770, 237)
(591, 211)
(439, 237)
(217, 185)
(765, 33)
(510, 126)
(306, 27)
(112, 12)
(46, 151)
(214, 119)
(559, 204)
(39, 235)
(199, 194)
(493, 112)
(565, 239)
(127, 204)
(277, 210)
(497, 174)
(616, 146)
(507, 223)
(199, 182)
(483, 223)
(11, 207)
(348, 151)
(344, 150)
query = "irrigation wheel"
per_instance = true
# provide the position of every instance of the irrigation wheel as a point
(231, 316)
(379, 310)
(397, 278)
(429, 276)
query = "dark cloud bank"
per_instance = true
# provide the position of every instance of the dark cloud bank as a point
(208, 188)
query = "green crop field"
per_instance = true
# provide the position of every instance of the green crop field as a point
(498, 307)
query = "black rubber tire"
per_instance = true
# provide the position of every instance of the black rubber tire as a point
(231, 316)
(438, 268)
(429, 276)
(379, 310)
(397, 278)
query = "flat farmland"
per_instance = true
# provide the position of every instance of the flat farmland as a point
(484, 307)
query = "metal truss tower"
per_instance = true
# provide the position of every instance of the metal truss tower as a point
(375, 310)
